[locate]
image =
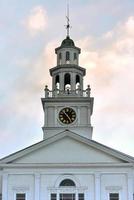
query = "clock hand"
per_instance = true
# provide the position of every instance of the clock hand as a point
(67, 115)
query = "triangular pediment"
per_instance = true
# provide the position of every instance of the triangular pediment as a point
(67, 147)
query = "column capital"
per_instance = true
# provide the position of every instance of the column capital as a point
(97, 174)
(37, 175)
(130, 175)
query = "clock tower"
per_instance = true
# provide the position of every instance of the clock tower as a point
(67, 105)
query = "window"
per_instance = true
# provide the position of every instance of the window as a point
(77, 80)
(53, 196)
(67, 182)
(81, 196)
(114, 196)
(67, 196)
(60, 56)
(57, 81)
(67, 81)
(20, 196)
(75, 56)
(67, 56)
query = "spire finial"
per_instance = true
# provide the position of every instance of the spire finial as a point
(68, 20)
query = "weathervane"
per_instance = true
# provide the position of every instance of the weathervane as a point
(68, 21)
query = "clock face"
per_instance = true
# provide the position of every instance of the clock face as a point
(67, 115)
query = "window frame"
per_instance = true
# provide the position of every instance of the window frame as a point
(20, 192)
(75, 56)
(67, 56)
(114, 191)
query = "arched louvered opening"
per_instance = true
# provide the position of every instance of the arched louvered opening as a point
(77, 81)
(67, 82)
(57, 81)
(67, 183)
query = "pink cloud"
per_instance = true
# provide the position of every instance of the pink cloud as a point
(36, 22)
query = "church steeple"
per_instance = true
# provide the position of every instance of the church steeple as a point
(67, 74)
(67, 105)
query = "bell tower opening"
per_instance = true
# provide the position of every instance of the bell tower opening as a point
(67, 82)
(57, 82)
(77, 82)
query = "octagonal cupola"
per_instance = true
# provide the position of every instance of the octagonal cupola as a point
(67, 53)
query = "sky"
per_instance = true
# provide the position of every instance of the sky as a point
(29, 33)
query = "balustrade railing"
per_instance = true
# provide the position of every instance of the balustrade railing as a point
(67, 93)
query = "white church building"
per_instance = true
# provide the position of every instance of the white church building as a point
(67, 164)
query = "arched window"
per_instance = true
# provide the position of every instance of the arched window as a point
(67, 183)
(77, 81)
(67, 85)
(67, 55)
(57, 81)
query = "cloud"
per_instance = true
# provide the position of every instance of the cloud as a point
(36, 22)
(110, 71)
(28, 87)
(22, 109)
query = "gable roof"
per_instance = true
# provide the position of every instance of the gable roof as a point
(91, 143)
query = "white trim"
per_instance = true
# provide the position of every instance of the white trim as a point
(114, 189)
(73, 135)
(68, 165)
(67, 190)
(21, 192)
(20, 189)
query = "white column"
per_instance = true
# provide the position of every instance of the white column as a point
(5, 187)
(130, 186)
(58, 195)
(97, 186)
(76, 193)
(73, 81)
(37, 187)
(61, 81)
